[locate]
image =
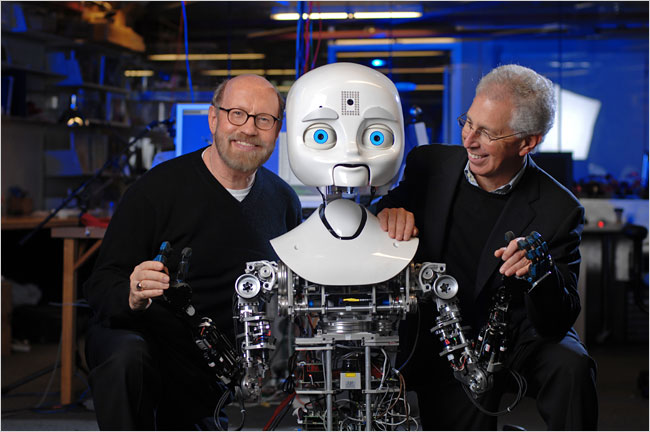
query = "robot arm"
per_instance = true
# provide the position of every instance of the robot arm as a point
(254, 289)
(473, 363)
(215, 346)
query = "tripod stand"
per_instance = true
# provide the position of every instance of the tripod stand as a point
(82, 188)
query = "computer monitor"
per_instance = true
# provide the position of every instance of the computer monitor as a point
(192, 128)
(558, 164)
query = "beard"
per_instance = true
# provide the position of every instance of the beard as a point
(242, 161)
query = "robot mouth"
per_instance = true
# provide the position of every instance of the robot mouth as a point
(351, 175)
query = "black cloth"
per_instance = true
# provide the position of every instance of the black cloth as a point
(181, 202)
(540, 322)
(473, 214)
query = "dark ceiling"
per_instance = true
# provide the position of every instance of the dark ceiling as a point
(246, 27)
(239, 27)
(247, 24)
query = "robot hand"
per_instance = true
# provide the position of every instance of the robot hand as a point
(541, 262)
(179, 294)
(216, 348)
(539, 265)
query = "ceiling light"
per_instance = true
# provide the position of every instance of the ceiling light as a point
(367, 13)
(264, 72)
(193, 57)
(386, 15)
(394, 41)
(138, 73)
(429, 87)
(293, 16)
(373, 54)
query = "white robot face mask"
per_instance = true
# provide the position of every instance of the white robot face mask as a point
(344, 127)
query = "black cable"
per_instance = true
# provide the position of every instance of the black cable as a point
(221, 404)
(289, 385)
(415, 343)
(217, 410)
(521, 383)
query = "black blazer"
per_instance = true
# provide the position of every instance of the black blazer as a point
(537, 203)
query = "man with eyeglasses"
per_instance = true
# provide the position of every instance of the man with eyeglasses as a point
(146, 372)
(462, 201)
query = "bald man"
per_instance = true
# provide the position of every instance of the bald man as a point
(145, 371)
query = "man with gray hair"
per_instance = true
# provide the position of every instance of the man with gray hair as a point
(462, 201)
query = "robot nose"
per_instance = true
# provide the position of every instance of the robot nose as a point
(351, 148)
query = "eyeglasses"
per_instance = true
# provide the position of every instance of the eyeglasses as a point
(238, 117)
(481, 133)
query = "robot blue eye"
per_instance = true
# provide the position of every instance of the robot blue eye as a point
(377, 138)
(321, 136)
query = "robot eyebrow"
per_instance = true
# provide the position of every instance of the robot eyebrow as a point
(378, 113)
(321, 114)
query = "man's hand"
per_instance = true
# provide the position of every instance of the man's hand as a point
(398, 222)
(515, 261)
(148, 280)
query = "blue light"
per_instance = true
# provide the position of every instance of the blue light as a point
(378, 62)
(405, 86)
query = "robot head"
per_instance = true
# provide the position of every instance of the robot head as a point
(344, 127)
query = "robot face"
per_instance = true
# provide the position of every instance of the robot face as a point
(344, 127)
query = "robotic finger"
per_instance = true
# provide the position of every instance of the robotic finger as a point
(541, 262)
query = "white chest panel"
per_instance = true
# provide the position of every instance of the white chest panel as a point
(313, 253)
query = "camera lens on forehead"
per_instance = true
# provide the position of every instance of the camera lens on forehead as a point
(350, 102)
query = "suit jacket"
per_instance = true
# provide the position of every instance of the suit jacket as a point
(537, 203)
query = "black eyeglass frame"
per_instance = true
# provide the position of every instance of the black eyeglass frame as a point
(228, 110)
(462, 120)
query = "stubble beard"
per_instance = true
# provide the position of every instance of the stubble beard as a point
(242, 161)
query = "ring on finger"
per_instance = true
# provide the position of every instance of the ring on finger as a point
(139, 286)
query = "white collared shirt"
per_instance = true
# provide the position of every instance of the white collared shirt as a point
(503, 190)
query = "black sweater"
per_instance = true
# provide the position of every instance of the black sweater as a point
(181, 202)
(473, 214)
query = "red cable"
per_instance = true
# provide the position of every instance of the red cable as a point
(306, 37)
(278, 410)
(320, 37)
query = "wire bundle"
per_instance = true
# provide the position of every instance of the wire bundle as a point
(304, 39)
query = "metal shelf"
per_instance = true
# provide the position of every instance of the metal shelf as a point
(93, 86)
(30, 70)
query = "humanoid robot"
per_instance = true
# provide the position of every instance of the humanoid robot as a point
(342, 280)
(344, 283)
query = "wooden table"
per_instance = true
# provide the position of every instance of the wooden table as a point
(31, 222)
(79, 244)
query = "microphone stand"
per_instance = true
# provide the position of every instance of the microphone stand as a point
(82, 187)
